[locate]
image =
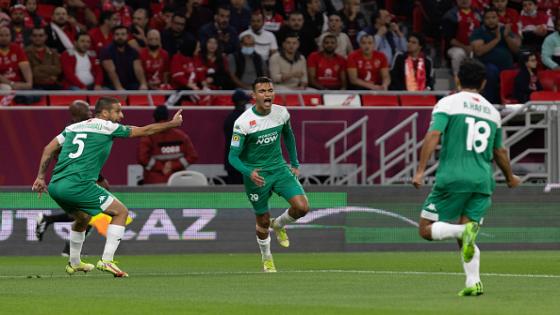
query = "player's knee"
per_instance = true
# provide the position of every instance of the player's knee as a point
(262, 229)
(301, 208)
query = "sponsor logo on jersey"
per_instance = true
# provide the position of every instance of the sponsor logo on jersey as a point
(267, 138)
(252, 123)
(170, 149)
(431, 207)
(101, 199)
(235, 141)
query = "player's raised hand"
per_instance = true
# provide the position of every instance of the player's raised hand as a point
(40, 186)
(178, 118)
(514, 181)
(418, 180)
(256, 178)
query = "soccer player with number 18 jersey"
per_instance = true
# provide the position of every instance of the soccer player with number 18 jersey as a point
(471, 137)
(256, 152)
(84, 148)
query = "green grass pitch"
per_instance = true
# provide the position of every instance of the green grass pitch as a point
(520, 282)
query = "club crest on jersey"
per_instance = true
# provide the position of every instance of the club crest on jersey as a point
(235, 140)
(252, 124)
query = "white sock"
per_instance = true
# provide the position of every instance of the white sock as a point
(283, 219)
(114, 236)
(472, 269)
(445, 231)
(76, 242)
(264, 246)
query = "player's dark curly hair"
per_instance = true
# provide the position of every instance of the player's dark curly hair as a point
(471, 74)
(261, 80)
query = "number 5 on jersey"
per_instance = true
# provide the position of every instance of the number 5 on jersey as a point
(78, 140)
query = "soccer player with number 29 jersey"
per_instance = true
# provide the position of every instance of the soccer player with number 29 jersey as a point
(84, 148)
(471, 136)
(256, 152)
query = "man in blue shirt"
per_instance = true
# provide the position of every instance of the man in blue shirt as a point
(495, 46)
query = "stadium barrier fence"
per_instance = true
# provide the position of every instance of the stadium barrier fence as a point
(219, 219)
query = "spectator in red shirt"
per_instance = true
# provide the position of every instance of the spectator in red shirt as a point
(535, 25)
(368, 69)
(273, 19)
(80, 69)
(326, 69)
(123, 11)
(31, 17)
(551, 7)
(458, 25)
(20, 33)
(102, 35)
(507, 15)
(60, 32)
(165, 153)
(162, 20)
(155, 62)
(183, 75)
(15, 72)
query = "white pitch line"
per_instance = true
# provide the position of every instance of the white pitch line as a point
(233, 273)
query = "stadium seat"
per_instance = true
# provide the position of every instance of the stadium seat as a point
(545, 96)
(144, 100)
(221, 100)
(43, 101)
(342, 100)
(418, 100)
(380, 100)
(65, 100)
(291, 100)
(507, 81)
(549, 80)
(187, 178)
(93, 99)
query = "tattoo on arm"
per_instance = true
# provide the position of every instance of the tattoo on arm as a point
(45, 164)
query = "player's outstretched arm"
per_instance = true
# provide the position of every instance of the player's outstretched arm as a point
(431, 141)
(157, 127)
(290, 141)
(49, 151)
(502, 159)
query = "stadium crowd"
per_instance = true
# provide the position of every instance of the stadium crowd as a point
(300, 44)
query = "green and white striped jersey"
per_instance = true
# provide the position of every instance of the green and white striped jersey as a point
(257, 139)
(85, 148)
(471, 129)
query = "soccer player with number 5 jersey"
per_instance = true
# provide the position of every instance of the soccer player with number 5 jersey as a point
(471, 137)
(256, 152)
(84, 148)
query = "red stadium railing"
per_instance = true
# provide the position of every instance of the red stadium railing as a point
(223, 98)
